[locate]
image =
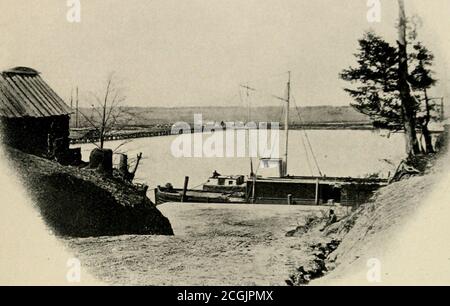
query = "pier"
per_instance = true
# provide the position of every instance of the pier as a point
(89, 135)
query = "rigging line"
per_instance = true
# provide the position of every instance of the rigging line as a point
(312, 151)
(240, 96)
(199, 185)
(259, 165)
(282, 114)
(280, 119)
(308, 161)
(262, 92)
(273, 144)
(249, 103)
(266, 78)
(307, 138)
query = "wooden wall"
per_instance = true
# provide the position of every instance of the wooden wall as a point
(31, 134)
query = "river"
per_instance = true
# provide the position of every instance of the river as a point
(355, 153)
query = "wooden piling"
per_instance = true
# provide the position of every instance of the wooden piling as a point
(186, 182)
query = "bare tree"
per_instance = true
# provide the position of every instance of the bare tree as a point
(107, 112)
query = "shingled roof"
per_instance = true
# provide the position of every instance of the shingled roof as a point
(23, 93)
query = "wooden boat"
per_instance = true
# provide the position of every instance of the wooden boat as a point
(309, 190)
(164, 194)
(287, 190)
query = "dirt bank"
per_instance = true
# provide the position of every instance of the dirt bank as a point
(214, 244)
(80, 203)
(392, 233)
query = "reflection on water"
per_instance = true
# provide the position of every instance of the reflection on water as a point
(355, 153)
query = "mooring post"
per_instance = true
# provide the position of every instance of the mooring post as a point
(317, 192)
(186, 182)
(289, 198)
(123, 164)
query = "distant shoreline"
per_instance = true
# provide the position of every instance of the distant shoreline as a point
(86, 135)
(151, 116)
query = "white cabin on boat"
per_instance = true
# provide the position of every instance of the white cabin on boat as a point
(226, 180)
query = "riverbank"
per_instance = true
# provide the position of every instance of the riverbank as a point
(79, 202)
(400, 237)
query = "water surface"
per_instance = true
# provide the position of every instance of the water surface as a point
(355, 153)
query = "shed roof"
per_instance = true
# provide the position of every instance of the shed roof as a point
(23, 93)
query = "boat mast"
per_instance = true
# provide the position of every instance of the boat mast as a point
(248, 127)
(252, 174)
(286, 124)
(248, 89)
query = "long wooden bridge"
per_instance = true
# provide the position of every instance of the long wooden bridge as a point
(89, 135)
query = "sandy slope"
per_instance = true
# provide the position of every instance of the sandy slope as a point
(29, 253)
(406, 229)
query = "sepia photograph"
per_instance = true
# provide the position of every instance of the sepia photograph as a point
(230, 147)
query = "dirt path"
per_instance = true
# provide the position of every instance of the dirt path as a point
(213, 245)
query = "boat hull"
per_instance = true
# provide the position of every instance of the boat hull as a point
(164, 195)
(284, 191)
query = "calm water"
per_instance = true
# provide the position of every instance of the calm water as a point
(338, 152)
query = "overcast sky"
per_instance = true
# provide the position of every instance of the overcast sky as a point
(196, 52)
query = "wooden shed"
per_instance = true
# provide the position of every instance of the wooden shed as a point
(33, 117)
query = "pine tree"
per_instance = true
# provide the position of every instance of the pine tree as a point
(377, 87)
(376, 79)
(421, 80)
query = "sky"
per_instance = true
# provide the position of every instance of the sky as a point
(197, 52)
